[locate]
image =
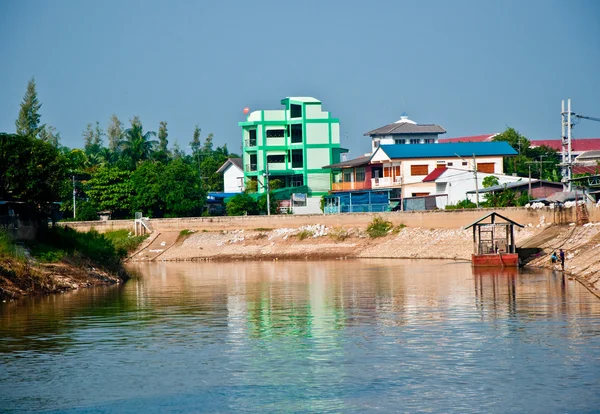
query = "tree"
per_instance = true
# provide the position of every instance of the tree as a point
(92, 138)
(163, 142)
(136, 145)
(490, 181)
(241, 204)
(28, 122)
(111, 189)
(32, 170)
(48, 134)
(113, 132)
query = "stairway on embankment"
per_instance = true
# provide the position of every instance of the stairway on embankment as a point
(155, 246)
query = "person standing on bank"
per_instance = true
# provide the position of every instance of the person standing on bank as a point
(561, 254)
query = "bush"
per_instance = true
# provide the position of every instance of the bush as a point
(305, 234)
(241, 204)
(398, 228)
(339, 234)
(8, 247)
(461, 205)
(123, 241)
(379, 227)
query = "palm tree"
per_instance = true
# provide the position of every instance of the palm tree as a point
(136, 145)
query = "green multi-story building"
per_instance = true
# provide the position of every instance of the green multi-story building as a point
(291, 145)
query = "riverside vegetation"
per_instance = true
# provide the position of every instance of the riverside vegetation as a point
(61, 259)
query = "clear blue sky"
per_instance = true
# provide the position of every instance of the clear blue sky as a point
(472, 67)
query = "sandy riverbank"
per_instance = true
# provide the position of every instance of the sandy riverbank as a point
(582, 244)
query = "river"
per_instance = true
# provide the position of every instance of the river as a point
(323, 336)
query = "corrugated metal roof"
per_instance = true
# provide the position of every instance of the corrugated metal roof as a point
(577, 144)
(462, 149)
(434, 175)
(472, 138)
(351, 163)
(522, 183)
(407, 128)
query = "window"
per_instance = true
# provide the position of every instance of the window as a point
(398, 141)
(275, 133)
(419, 169)
(485, 167)
(464, 163)
(397, 171)
(297, 181)
(252, 166)
(415, 141)
(449, 164)
(376, 144)
(296, 133)
(297, 159)
(430, 141)
(360, 174)
(420, 194)
(348, 176)
(252, 137)
(295, 111)
(441, 163)
(387, 171)
(276, 159)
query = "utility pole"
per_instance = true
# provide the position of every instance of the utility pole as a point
(566, 164)
(74, 192)
(267, 185)
(540, 164)
(476, 183)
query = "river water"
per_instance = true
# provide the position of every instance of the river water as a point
(325, 336)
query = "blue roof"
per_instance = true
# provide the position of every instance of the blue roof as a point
(452, 149)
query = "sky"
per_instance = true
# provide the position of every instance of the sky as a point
(472, 67)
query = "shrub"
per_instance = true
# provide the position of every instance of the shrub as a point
(398, 228)
(123, 240)
(184, 234)
(339, 234)
(305, 234)
(241, 204)
(8, 248)
(379, 227)
(461, 205)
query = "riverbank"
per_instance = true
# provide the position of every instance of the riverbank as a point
(60, 260)
(312, 242)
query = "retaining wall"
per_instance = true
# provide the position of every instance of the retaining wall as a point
(445, 219)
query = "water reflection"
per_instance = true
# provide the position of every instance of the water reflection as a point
(307, 336)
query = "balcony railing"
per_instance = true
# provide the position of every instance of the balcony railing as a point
(250, 167)
(386, 182)
(351, 185)
(251, 143)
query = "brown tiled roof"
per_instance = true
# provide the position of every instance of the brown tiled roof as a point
(351, 163)
(407, 128)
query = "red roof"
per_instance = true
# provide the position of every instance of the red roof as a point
(577, 144)
(586, 169)
(434, 175)
(473, 138)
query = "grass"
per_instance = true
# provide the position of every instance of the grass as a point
(398, 228)
(8, 247)
(305, 234)
(339, 234)
(184, 234)
(123, 240)
(379, 227)
(262, 229)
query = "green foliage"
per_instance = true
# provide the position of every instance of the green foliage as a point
(8, 248)
(28, 122)
(276, 184)
(398, 228)
(490, 181)
(31, 170)
(48, 134)
(241, 204)
(45, 253)
(379, 227)
(110, 188)
(114, 132)
(529, 158)
(461, 205)
(124, 241)
(262, 204)
(304, 234)
(79, 247)
(251, 186)
(92, 138)
(135, 145)
(338, 234)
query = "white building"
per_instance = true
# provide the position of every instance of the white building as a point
(233, 175)
(404, 131)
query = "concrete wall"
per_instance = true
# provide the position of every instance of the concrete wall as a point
(424, 219)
